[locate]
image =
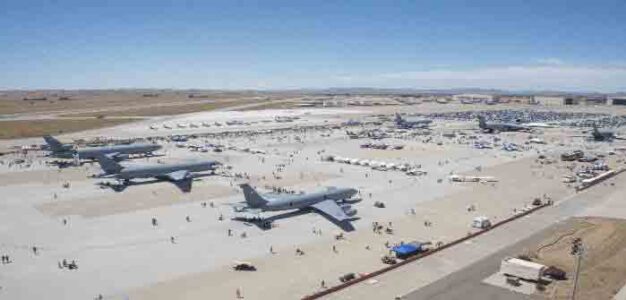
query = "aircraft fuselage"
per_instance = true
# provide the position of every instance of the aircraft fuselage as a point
(306, 200)
(158, 171)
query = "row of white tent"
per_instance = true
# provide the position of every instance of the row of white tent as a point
(378, 165)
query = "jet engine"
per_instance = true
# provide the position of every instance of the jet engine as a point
(121, 157)
(348, 210)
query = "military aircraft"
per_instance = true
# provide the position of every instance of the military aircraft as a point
(411, 123)
(499, 127)
(177, 173)
(604, 135)
(117, 152)
(324, 202)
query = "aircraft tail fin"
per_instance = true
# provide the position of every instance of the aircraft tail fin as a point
(108, 165)
(595, 128)
(481, 122)
(54, 144)
(399, 118)
(253, 199)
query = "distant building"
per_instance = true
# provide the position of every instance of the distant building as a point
(197, 96)
(473, 98)
(35, 97)
(595, 100)
(307, 104)
(519, 99)
(333, 103)
(620, 100)
(572, 100)
(550, 100)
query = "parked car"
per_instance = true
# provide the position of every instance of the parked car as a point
(389, 260)
(347, 277)
(243, 266)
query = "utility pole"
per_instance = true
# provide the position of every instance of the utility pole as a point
(578, 251)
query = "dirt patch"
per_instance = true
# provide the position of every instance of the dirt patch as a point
(603, 267)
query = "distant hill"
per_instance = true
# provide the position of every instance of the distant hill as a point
(331, 90)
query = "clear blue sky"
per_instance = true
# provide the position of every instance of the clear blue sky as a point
(575, 44)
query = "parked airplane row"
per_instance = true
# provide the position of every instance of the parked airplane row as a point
(108, 157)
(60, 150)
(333, 203)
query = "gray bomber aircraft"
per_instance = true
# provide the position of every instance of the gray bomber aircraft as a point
(61, 150)
(499, 127)
(180, 173)
(604, 135)
(411, 123)
(324, 202)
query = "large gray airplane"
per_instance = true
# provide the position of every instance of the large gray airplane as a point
(604, 135)
(177, 173)
(411, 123)
(324, 202)
(499, 127)
(61, 150)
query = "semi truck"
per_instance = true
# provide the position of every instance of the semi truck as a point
(522, 269)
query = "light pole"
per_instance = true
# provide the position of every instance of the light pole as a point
(577, 250)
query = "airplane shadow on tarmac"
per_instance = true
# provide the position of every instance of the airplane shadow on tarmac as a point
(67, 163)
(265, 223)
(183, 185)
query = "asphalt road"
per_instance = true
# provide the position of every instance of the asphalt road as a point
(467, 283)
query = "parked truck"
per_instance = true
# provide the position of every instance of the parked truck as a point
(572, 156)
(522, 269)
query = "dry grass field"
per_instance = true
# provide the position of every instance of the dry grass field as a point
(160, 110)
(272, 105)
(35, 128)
(603, 267)
(23, 102)
(83, 110)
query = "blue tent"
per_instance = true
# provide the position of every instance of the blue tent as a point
(406, 250)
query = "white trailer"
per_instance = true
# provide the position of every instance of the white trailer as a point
(603, 176)
(481, 222)
(522, 269)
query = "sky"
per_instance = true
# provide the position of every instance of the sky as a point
(569, 45)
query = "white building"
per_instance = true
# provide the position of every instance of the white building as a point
(473, 98)
(517, 99)
(550, 100)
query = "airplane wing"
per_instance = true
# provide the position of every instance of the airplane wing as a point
(241, 207)
(112, 155)
(331, 209)
(177, 175)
